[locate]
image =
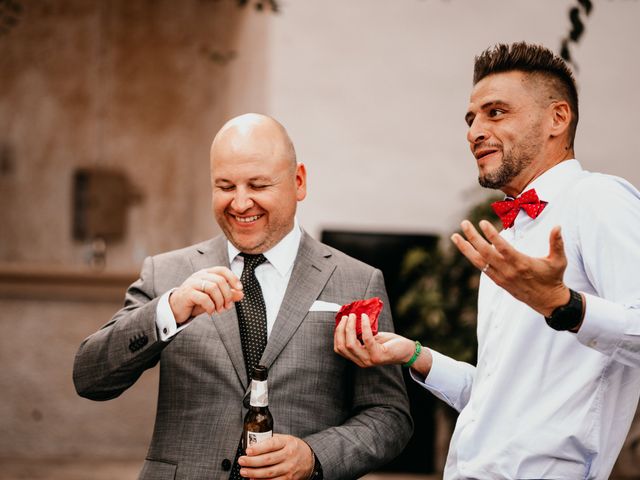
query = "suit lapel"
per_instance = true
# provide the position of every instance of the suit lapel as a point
(311, 271)
(226, 323)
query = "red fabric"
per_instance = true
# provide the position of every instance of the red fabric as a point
(508, 210)
(371, 306)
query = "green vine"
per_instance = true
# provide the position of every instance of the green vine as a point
(584, 7)
(260, 4)
(10, 15)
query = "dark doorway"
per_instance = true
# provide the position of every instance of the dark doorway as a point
(387, 251)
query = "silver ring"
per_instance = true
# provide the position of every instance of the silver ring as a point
(202, 285)
(485, 268)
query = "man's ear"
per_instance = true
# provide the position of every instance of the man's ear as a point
(561, 116)
(301, 182)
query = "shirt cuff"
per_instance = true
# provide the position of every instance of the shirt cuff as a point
(603, 325)
(165, 321)
(439, 378)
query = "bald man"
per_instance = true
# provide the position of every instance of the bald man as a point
(332, 419)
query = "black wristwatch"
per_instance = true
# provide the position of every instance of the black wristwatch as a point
(568, 316)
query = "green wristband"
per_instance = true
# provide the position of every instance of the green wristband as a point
(415, 356)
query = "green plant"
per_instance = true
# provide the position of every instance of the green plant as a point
(443, 294)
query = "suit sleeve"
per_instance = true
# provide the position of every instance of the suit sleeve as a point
(112, 359)
(380, 425)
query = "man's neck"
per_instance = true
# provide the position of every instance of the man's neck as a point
(518, 185)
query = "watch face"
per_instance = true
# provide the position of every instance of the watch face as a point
(569, 316)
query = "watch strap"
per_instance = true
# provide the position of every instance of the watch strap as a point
(316, 474)
(568, 316)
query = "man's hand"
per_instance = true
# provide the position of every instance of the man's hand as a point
(282, 457)
(385, 348)
(534, 281)
(208, 290)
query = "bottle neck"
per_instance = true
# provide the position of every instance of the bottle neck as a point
(259, 393)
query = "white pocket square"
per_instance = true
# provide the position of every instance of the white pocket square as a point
(320, 306)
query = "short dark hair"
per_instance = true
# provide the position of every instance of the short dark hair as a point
(536, 60)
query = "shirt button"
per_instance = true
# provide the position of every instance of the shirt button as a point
(593, 343)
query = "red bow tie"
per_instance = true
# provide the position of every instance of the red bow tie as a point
(508, 210)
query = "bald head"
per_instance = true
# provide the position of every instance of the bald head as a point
(254, 134)
(256, 182)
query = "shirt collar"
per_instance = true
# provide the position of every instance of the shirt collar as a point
(555, 180)
(281, 255)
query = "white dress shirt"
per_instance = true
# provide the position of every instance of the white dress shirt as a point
(273, 277)
(540, 403)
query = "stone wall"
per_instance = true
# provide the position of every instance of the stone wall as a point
(140, 87)
(137, 86)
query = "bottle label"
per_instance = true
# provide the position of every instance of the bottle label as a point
(259, 394)
(257, 437)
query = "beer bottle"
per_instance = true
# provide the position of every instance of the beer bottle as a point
(258, 422)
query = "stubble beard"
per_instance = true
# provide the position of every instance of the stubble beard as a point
(514, 162)
(510, 168)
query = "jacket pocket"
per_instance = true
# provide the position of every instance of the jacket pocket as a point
(158, 470)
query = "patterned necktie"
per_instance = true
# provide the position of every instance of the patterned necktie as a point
(508, 210)
(252, 314)
(252, 320)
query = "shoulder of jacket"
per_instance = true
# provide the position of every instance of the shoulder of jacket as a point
(186, 252)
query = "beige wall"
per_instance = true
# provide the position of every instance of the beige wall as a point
(41, 416)
(374, 94)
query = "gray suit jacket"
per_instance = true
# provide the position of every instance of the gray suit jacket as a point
(354, 419)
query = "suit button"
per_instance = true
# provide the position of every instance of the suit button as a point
(226, 464)
(245, 401)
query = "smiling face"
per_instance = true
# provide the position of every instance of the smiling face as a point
(507, 136)
(256, 182)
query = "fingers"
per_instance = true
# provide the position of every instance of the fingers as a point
(273, 444)
(353, 344)
(501, 249)
(556, 245)
(486, 253)
(210, 290)
(263, 460)
(373, 350)
(346, 342)
(220, 284)
(492, 252)
(231, 278)
(279, 456)
(215, 293)
(468, 251)
(202, 300)
(365, 328)
(186, 302)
